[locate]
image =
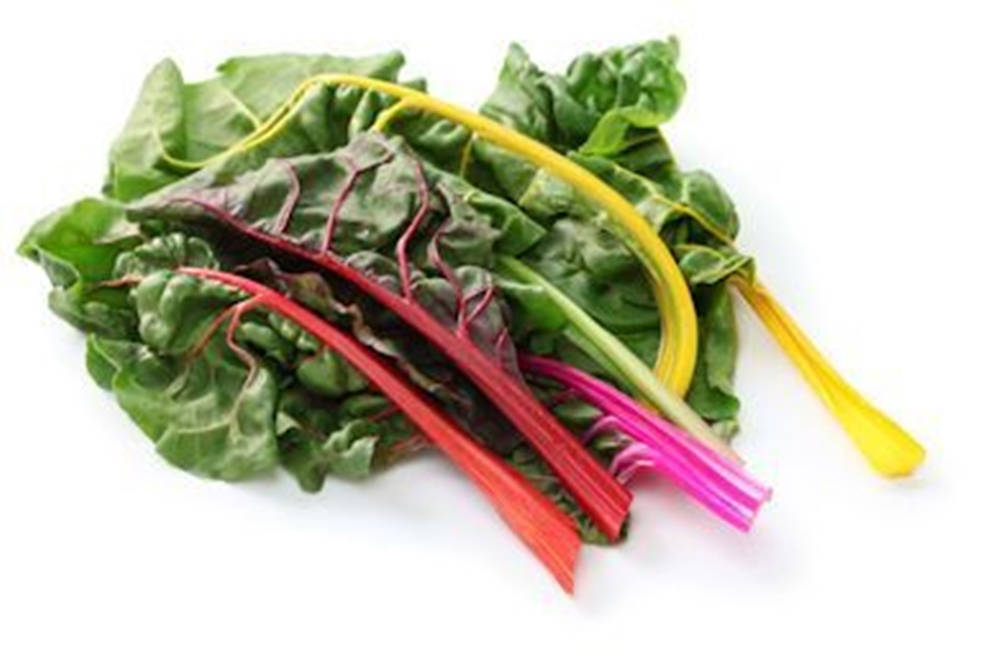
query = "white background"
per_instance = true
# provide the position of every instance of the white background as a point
(859, 139)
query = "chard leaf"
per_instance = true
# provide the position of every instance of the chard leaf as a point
(347, 452)
(77, 247)
(102, 311)
(164, 253)
(378, 179)
(105, 357)
(327, 374)
(596, 102)
(711, 393)
(176, 311)
(206, 410)
(79, 243)
(598, 272)
(607, 104)
(191, 122)
(205, 415)
(263, 82)
(705, 265)
(538, 104)
(637, 86)
(363, 198)
(426, 367)
(694, 196)
(707, 203)
(380, 330)
(350, 439)
(437, 140)
(155, 125)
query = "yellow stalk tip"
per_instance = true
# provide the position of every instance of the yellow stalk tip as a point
(889, 449)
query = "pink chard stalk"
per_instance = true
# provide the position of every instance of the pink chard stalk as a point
(718, 483)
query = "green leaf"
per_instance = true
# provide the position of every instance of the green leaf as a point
(705, 197)
(705, 265)
(206, 410)
(155, 125)
(629, 92)
(596, 103)
(634, 86)
(598, 272)
(711, 393)
(192, 122)
(77, 247)
(165, 253)
(263, 82)
(380, 330)
(377, 206)
(79, 243)
(318, 438)
(207, 415)
(105, 357)
(538, 104)
(537, 307)
(176, 311)
(327, 374)
(439, 141)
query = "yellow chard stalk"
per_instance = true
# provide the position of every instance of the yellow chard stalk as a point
(889, 449)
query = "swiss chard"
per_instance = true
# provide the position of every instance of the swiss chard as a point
(544, 528)
(303, 263)
(314, 210)
(690, 211)
(676, 354)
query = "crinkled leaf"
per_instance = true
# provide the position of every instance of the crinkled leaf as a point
(595, 102)
(77, 247)
(598, 272)
(176, 311)
(205, 415)
(206, 410)
(164, 253)
(80, 242)
(441, 142)
(633, 86)
(349, 439)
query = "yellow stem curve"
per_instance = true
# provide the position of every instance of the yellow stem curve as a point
(679, 327)
(889, 449)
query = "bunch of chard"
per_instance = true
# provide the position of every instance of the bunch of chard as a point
(302, 263)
